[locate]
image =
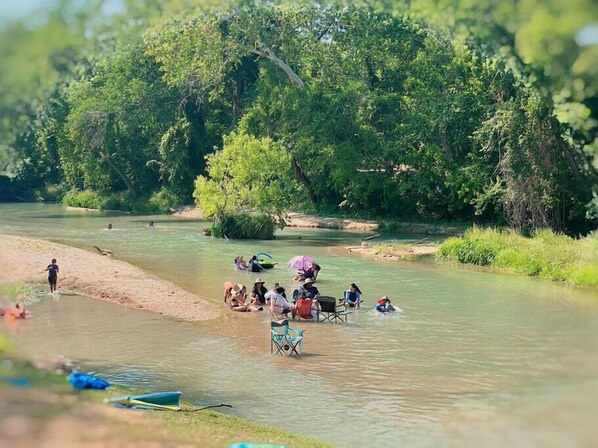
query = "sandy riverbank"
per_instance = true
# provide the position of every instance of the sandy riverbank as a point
(298, 220)
(100, 277)
(389, 253)
(303, 220)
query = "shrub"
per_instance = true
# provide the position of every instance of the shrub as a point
(53, 192)
(82, 198)
(163, 201)
(244, 226)
(450, 247)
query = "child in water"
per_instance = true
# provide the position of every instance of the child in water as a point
(52, 275)
(384, 305)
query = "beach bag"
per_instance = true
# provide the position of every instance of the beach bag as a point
(80, 380)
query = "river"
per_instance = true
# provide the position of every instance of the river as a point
(475, 358)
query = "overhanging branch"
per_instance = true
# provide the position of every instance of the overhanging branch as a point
(268, 53)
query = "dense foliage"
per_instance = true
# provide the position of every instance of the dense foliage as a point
(243, 226)
(547, 255)
(364, 110)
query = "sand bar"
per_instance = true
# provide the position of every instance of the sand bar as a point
(100, 277)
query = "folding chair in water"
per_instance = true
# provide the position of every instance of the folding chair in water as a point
(328, 310)
(282, 341)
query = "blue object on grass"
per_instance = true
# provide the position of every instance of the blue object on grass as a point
(18, 381)
(81, 380)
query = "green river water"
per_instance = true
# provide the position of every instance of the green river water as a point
(475, 359)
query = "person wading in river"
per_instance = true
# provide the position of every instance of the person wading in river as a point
(52, 275)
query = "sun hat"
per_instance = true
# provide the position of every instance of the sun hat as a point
(309, 281)
(258, 280)
(238, 287)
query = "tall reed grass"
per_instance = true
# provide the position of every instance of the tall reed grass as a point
(546, 254)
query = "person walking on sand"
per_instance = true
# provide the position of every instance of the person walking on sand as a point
(52, 275)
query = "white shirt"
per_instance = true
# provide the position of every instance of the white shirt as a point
(277, 302)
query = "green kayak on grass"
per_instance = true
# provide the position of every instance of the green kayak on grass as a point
(160, 400)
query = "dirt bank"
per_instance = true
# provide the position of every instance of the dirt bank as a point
(389, 252)
(188, 211)
(303, 220)
(87, 273)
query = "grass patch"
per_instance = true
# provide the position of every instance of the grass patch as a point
(545, 255)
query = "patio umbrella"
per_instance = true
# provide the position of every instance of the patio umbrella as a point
(301, 262)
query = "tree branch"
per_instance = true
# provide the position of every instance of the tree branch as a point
(268, 53)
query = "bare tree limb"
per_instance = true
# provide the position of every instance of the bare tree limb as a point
(266, 52)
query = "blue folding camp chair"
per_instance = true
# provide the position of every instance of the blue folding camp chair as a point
(280, 338)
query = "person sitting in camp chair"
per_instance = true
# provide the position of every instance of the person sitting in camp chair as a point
(309, 289)
(305, 308)
(278, 304)
(283, 291)
(352, 297)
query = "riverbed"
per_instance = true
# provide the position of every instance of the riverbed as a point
(475, 358)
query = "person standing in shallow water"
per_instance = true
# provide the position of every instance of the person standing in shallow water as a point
(52, 275)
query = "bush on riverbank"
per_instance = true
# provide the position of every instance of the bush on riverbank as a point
(243, 226)
(546, 255)
(160, 202)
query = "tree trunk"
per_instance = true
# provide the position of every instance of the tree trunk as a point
(199, 143)
(303, 180)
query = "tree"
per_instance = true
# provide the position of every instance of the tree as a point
(248, 173)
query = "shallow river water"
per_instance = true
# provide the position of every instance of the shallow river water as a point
(475, 358)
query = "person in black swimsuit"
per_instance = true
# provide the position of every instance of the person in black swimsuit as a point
(52, 275)
(258, 293)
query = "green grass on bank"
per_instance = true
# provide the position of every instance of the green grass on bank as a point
(546, 255)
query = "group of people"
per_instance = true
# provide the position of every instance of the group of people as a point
(261, 298)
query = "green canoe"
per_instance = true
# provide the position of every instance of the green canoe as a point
(160, 400)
